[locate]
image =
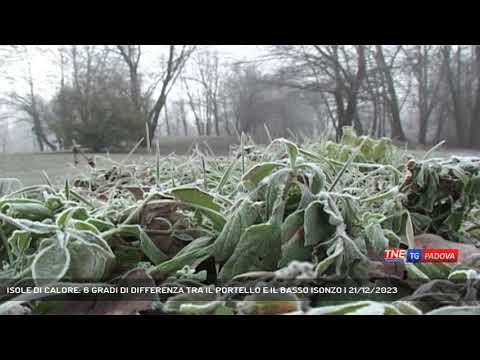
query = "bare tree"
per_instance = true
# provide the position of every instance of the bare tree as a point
(30, 103)
(194, 108)
(455, 88)
(337, 71)
(391, 94)
(429, 76)
(5, 134)
(475, 125)
(175, 63)
(131, 55)
(167, 119)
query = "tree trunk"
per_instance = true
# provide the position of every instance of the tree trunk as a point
(216, 117)
(155, 116)
(340, 114)
(440, 122)
(456, 98)
(225, 117)
(358, 123)
(184, 118)
(167, 121)
(396, 124)
(374, 99)
(39, 142)
(351, 113)
(475, 126)
(209, 127)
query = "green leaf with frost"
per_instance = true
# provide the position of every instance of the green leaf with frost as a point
(75, 213)
(19, 242)
(194, 254)
(29, 211)
(259, 172)
(50, 265)
(322, 219)
(463, 275)
(259, 249)
(456, 310)
(376, 237)
(331, 258)
(195, 196)
(414, 273)
(87, 262)
(33, 227)
(244, 216)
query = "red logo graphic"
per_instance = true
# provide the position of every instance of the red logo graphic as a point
(394, 255)
(440, 255)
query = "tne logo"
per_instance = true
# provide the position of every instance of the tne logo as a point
(412, 256)
(394, 256)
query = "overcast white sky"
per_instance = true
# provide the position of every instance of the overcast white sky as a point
(45, 72)
(46, 76)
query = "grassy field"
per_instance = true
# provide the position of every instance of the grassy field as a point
(28, 168)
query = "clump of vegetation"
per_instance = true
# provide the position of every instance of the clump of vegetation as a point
(321, 213)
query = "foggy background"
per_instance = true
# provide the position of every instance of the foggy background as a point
(107, 97)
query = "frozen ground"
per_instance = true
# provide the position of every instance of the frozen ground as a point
(28, 167)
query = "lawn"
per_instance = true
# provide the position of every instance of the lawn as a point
(28, 168)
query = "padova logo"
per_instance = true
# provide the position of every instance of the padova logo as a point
(440, 255)
(412, 256)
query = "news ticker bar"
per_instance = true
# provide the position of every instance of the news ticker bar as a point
(388, 291)
(221, 290)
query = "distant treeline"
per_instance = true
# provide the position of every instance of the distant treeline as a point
(105, 99)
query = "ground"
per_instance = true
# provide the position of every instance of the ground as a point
(28, 168)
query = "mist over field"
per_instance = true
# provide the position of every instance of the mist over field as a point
(106, 98)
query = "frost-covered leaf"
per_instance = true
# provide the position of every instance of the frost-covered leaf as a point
(19, 242)
(77, 213)
(331, 258)
(83, 226)
(410, 232)
(257, 173)
(406, 308)
(207, 308)
(30, 211)
(239, 221)
(293, 240)
(292, 150)
(259, 249)
(321, 220)
(463, 275)
(456, 310)
(195, 196)
(33, 227)
(50, 265)
(154, 254)
(269, 304)
(358, 308)
(87, 263)
(196, 253)
(414, 273)
(376, 237)
(101, 225)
